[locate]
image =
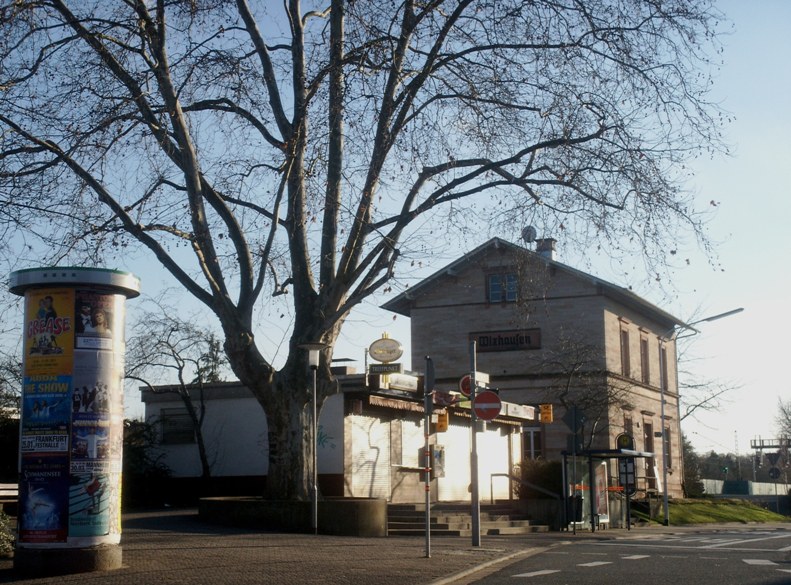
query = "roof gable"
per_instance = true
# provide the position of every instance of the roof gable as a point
(402, 303)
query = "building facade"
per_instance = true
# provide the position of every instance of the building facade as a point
(370, 442)
(599, 356)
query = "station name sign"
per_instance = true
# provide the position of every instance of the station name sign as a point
(511, 340)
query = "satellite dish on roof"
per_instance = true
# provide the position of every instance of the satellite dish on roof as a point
(529, 234)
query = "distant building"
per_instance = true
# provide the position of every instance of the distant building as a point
(548, 334)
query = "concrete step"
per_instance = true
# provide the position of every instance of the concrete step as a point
(454, 519)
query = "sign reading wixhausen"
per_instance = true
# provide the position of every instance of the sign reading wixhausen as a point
(513, 340)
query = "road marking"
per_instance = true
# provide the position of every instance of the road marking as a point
(747, 540)
(537, 573)
(635, 557)
(595, 564)
(759, 562)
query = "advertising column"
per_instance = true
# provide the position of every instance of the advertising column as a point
(71, 429)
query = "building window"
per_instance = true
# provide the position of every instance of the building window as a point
(176, 426)
(648, 445)
(531, 443)
(628, 425)
(668, 454)
(501, 288)
(645, 372)
(663, 373)
(626, 369)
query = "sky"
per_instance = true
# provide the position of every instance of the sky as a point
(752, 187)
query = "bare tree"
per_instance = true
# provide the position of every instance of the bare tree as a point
(311, 148)
(575, 377)
(10, 385)
(170, 355)
(783, 419)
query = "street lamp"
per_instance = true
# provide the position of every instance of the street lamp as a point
(671, 335)
(314, 353)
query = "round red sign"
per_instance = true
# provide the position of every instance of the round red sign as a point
(487, 405)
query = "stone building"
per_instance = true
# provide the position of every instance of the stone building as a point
(549, 334)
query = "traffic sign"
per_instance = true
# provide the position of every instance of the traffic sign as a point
(545, 413)
(481, 378)
(774, 473)
(487, 405)
(773, 458)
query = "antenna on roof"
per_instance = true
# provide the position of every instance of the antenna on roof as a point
(529, 234)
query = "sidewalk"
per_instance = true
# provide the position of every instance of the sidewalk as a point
(175, 547)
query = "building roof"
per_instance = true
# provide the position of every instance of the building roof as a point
(402, 304)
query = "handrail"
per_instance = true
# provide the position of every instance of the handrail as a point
(521, 481)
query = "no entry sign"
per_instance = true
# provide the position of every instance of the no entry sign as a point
(487, 405)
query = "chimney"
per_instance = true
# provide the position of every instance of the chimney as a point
(546, 247)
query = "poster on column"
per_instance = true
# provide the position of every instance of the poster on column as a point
(44, 511)
(97, 418)
(49, 331)
(95, 314)
(44, 448)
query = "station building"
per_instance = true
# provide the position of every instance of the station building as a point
(598, 355)
(550, 337)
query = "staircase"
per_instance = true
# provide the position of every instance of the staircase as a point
(455, 519)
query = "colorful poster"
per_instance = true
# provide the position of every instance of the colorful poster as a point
(94, 319)
(43, 489)
(46, 402)
(49, 332)
(92, 504)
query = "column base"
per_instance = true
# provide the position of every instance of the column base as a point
(40, 562)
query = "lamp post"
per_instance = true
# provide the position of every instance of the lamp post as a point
(314, 353)
(671, 335)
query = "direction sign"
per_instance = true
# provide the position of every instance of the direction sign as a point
(487, 405)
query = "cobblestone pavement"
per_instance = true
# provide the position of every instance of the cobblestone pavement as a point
(177, 547)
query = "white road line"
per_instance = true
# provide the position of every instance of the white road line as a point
(536, 573)
(759, 562)
(747, 540)
(635, 557)
(595, 564)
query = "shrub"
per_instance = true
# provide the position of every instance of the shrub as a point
(6, 534)
(539, 473)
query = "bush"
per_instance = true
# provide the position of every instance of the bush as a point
(6, 534)
(538, 477)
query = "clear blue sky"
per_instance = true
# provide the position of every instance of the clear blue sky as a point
(753, 188)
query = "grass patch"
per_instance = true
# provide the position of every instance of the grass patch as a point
(712, 511)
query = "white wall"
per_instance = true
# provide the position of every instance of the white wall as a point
(235, 434)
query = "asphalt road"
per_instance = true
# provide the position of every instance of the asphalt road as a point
(752, 555)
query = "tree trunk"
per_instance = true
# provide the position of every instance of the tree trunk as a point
(290, 443)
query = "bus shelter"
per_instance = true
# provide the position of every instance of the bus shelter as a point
(597, 504)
